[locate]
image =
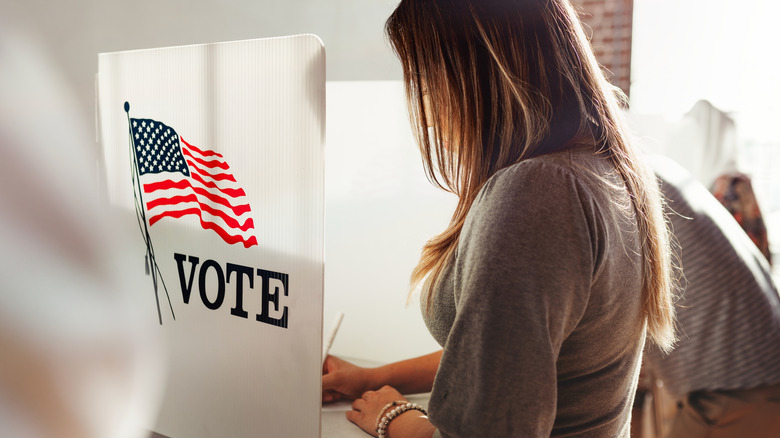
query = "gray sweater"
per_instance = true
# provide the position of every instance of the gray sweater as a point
(539, 311)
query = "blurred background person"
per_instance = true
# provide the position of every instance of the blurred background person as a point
(724, 373)
(76, 358)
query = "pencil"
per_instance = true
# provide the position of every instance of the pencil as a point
(331, 336)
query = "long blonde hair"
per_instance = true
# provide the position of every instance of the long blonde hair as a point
(508, 80)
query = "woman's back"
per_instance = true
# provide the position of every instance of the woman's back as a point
(540, 312)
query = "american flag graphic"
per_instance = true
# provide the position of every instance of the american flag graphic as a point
(179, 179)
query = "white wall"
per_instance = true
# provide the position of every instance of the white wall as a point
(380, 210)
(719, 50)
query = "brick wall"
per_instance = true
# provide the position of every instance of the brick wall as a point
(609, 24)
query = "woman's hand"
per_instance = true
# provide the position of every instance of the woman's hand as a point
(367, 409)
(342, 380)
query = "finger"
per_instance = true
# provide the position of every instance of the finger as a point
(327, 364)
(330, 381)
(366, 395)
(330, 396)
(358, 404)
(330, 364)
(353, 416)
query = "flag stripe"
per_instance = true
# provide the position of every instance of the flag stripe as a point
(229, 220)
(228, 191)
(237, 209)
(168, 184)
(215, 177)
(170, 201)
(193, 198)
(227, 237)
(199, 151)
(211, 164)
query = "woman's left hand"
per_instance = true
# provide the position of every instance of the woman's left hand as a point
(366, 409)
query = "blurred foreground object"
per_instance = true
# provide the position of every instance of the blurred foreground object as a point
(77, 359)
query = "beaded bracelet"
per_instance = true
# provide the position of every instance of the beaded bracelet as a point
(382, 411)
(381, 429)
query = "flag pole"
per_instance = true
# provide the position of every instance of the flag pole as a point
(150, 262)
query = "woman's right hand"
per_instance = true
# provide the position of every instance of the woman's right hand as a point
(342, 380)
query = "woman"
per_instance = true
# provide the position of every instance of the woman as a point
(555, 263)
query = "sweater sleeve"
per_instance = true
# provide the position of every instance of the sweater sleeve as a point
(521, 280)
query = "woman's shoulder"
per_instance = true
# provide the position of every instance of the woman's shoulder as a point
(545, 188)
(580, 169)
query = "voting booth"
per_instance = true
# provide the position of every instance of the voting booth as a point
(214, 156)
